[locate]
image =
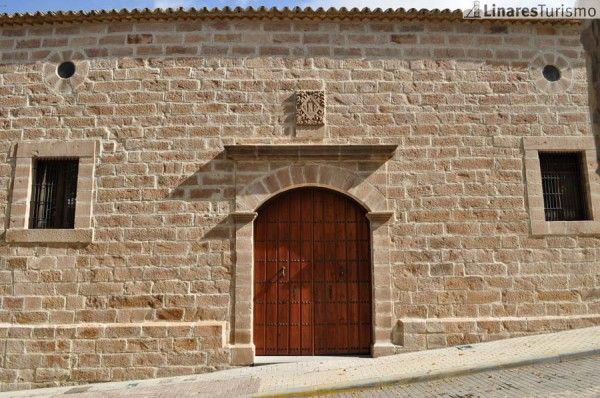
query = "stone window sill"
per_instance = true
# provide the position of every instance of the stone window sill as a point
(79, 235)
(572, 228)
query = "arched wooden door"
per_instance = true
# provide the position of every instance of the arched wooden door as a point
(312, 275)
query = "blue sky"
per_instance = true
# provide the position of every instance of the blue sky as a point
(12, 6)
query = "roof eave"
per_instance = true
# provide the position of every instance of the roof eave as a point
(145, 14)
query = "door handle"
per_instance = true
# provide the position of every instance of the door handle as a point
(282, 271)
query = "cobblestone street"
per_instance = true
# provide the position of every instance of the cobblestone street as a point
(575, 378)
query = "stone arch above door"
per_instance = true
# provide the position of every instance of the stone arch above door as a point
(249, 197)
(255, 193)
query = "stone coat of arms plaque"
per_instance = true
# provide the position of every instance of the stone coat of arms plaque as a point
(310, 108)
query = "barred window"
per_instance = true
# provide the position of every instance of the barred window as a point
(565, 196)
(54, 194)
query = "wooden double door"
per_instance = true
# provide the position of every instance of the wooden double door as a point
(312, 275)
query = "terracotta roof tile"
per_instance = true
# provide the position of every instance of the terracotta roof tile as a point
(239, 12)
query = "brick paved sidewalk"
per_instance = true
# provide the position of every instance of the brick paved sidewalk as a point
(577, 378)
(332, 374)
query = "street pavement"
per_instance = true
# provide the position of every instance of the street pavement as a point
(573, 378)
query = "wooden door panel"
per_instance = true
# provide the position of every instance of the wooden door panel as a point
(295, 275)
(260, 285)
(305, 216)
(271, 285)
(312, 275)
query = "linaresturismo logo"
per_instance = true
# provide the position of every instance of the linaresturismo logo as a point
(580, 10)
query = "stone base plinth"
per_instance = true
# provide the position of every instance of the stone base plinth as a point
(383, 349)
(413, 334)
(52, 355)
(242, 354)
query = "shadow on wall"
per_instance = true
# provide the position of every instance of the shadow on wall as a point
(590, 38)
(212, 183)
(209, 194)
(207, 191)
(11, 161)
(289, 118)
(202, 194)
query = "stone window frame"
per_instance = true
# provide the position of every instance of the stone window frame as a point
(533, 176)
(26, 154)
(307, 167)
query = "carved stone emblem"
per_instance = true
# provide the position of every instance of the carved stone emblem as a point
(310, 108)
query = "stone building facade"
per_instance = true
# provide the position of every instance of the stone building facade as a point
(184, 124)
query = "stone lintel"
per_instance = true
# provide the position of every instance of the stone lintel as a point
(558, 144)
(55, 148)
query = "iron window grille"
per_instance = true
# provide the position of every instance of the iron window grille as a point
(54, 194)
(563, 186)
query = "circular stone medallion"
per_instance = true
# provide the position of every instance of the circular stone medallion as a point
(551, 73)
(65, 71)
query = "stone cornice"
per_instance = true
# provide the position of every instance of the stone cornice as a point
(311, 151)
(169, 14)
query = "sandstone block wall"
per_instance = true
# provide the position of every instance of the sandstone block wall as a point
(60, 354)
(163, 98)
